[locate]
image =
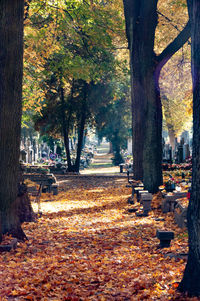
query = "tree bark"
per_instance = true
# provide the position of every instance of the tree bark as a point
(110, 148)
(118, 159)
(11, 71)
(190, 283)
(141, 22)
(81, 129)
(168, 117)
(65, 129)
(23, 205)
(152, 152)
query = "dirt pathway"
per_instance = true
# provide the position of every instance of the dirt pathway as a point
(102, 163)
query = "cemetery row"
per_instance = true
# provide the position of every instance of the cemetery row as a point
(173, 197)
(179, 153)
(40, 158)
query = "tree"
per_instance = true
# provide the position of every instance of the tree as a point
(66, 110)
(190, 282)
(82, 52)
(176, 94)
(11, 70)
(141, 22)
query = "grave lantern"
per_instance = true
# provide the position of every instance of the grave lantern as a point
(165, 238)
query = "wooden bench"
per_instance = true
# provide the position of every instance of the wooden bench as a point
(46, 184)
(36, 193)
(45, 180)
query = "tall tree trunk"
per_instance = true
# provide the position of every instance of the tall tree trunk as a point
(118, 159)
(110, 148)
(81, 129)
(152, 153)
(168, 117)
(141, 22)
(11, 70)
(190, 282)
(65, 129)
(138, 128)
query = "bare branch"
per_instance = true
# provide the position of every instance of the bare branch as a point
(173, 47)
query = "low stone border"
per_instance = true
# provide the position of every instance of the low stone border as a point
(9, 247)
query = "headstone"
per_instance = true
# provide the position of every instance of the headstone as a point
(146, 199)
(185, 135)
(167, 153)
(169, 201)
(186, 151)
(180, 154)
(23, 155)
(140, 193)
(180, 215)
(170, 154)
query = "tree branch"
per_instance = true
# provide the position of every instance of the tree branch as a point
(26, 9)
(169, 20)
(173, 47)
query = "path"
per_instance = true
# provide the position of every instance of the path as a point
(102, 163)
(87, 247)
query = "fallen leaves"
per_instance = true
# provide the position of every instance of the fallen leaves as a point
(84, 247)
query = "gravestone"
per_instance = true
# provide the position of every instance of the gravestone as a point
(167, 153)
(140, 193)
(180, 154)
(169, 201)
(186, 151)
(180, 215)
(146, 199)
(23, 154)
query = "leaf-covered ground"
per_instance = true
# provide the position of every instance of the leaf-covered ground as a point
(86, 246)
